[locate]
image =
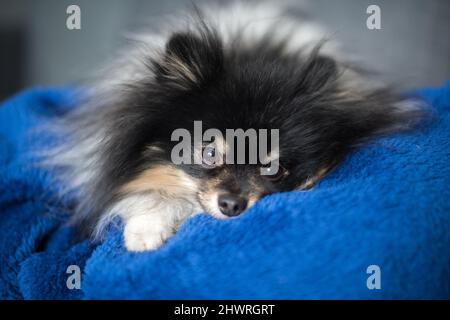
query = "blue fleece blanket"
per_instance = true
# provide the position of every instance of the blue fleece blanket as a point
(388, 205)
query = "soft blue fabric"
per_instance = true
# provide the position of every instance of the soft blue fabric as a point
(387, 205)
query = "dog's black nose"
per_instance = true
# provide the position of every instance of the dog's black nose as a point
(231, 205)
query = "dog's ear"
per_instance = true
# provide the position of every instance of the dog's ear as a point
(317, 71)
(190, 60)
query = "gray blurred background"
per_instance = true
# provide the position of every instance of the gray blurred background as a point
(412, 48)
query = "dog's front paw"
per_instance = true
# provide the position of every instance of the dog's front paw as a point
(142, 241)
(143, 233)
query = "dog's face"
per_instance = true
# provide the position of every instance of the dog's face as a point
(320, 117)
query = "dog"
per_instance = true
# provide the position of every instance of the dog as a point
(240, 67)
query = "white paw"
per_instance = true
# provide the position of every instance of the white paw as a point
(142, 234)
(142, 242)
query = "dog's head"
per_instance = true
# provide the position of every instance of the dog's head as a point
(311, 100)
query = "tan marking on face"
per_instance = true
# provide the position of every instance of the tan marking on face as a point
(209, 197)
(163, 178)
(312, 181)
(252, 200)
(256, 192)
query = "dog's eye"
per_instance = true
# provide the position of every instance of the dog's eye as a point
(209, 157)
(271, 175)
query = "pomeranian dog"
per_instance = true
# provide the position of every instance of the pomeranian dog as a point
(246, 66)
